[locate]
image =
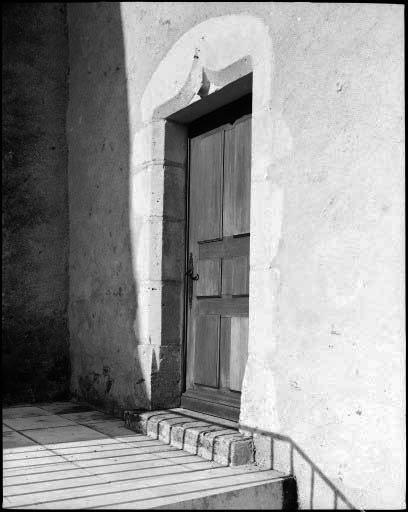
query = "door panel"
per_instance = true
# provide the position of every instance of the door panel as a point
(238, 351)
(206, 350)
(225, 345)
(237, 155)
(240, 276)
(228, 247)
(227, 269)
(219, 238)
(206, 185)
(235, 276)
(209, 282)
(225, 306)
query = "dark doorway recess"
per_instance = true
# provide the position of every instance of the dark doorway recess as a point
(224, 115)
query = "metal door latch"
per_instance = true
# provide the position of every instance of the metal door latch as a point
(190, 274)
(190, 270)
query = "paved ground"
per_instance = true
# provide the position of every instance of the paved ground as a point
(66, 455)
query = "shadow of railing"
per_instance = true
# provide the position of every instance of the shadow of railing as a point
(339, 499)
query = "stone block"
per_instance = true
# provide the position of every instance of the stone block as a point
(142, 146)
(159, 313)
(148, 315)
(147, 191)
(158, 190)
(242, 452)
(282, 456)
(173, 250)
(179, 430)
(147, 242)
(156, 423)
(172, 308)
(161, 370)
(175, 142)
(158, 249)
(160, 140)
(135, 422)
(166, 377)
(192, 435)
(177, 436)
(207, 442)
(174, 206)
(166, 428)
(263, 446)
(222, 448)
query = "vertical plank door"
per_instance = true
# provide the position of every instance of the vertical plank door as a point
(217, 324)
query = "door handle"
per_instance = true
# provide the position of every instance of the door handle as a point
(190, 269)
(190, 274)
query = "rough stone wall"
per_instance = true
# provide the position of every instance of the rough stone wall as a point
(35, 202)
(336, 284)
(103, 292)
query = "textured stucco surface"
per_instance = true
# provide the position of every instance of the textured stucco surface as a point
(103, 300)
(117, 362)
(35, 202)
(327, 280)
(339, 360)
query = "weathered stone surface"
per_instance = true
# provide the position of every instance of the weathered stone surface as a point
(134, 421)
(164, 191)
(159, 141)
(178, 431)
(207, 442)
(166, 429)
(154, 423)
(261, 497)
(263, 447)
(35, 360)
(242, 452)
(225, 446)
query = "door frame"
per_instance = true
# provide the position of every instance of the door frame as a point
(243, 87)
(186, 284)
(217, 62)
(208, 401)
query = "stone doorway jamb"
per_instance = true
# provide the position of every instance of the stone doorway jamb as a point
(208, 57)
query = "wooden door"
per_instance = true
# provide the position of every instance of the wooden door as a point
(217, 325)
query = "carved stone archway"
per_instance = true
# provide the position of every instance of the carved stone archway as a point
(207, 58)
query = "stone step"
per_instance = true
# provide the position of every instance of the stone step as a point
(256, 491)
(76, 467)
(198, 434)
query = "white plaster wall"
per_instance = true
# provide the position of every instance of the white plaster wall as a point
(327, 320)
(339, 363)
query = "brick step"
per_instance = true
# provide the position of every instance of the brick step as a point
(198, 434)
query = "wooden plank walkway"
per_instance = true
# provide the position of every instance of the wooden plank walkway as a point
(66, 455)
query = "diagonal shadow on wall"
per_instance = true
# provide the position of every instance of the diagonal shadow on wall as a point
(292, 451)
(104, 329)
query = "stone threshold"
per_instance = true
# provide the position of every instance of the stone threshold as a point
(206, 436)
